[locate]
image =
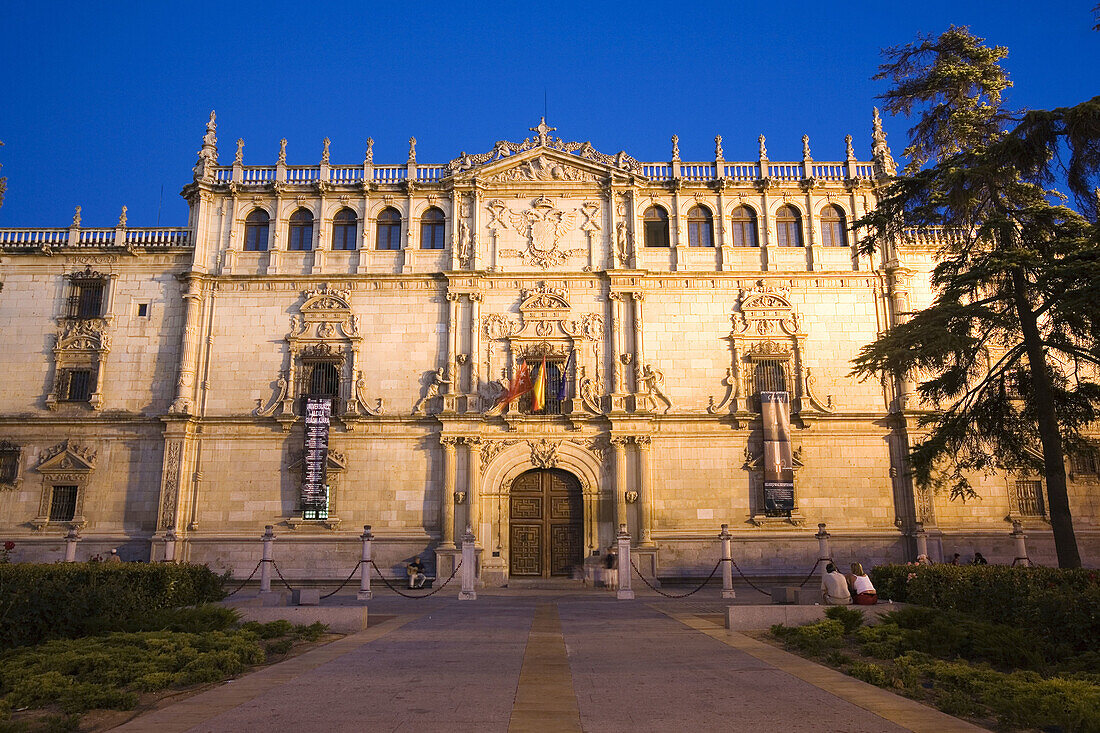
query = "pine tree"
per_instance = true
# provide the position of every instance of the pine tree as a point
(1007, 353)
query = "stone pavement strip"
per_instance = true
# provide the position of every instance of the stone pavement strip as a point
(533, 662)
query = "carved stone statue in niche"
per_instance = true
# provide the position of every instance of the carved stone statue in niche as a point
(435, 384)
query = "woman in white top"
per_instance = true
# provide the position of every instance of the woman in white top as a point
(862, 589)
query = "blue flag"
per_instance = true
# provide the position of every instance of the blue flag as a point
(563, 390)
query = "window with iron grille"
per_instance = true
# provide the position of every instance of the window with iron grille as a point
(1028, 498)
(554, 377)
(9, 465)
(324, 379)
(317, 511)
(76, 385)
(770, 375)
(86, 300)
(63, 504)
(1085, 462)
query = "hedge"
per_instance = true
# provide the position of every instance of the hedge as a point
(1064, 605)
(69, 600)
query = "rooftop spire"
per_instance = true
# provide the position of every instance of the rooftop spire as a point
(208, 153)
(880, 151)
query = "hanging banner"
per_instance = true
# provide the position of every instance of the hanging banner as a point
(318, 415)
(775, 408)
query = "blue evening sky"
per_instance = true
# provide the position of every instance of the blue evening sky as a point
(103, 104)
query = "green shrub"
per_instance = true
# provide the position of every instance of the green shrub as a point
(282, 646)
(817, 638)
(270, 630)
(68, 600)
(313, 632)
(851, 618)
(42, 724)
(195, 620)
(1061, 605)
(869, 672)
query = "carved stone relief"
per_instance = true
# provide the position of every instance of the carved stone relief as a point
(543, 226)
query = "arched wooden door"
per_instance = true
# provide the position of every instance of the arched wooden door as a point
(545, 520)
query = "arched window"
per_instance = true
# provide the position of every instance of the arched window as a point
(700, 227)
(301, 231)
(655, 224)
(834, 227)
(255, 231)
(389, 229)
(788, 226)
(431, 229)
(743, 227)
(343, 229)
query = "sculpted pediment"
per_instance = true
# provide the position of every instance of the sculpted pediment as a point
(543, 165)
(67, 457)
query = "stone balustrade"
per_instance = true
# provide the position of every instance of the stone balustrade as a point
(28, 238)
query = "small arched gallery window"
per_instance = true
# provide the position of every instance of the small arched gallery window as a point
(389, 228)
(655, 225)
(743, 227)
(834, 227)
(700, 227)
(300, 231)
(255, 231)
(788, 226)
(431, 229)
(343, 229)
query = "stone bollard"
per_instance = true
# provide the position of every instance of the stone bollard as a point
(364, 593)
(823, 552)
(1021, 544)
(624, 593)
(727, 563)
(469, 568)
(71, 539)
(922, 539)
(265, 564)
(170, 545)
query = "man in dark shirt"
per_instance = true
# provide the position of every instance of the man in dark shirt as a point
(416, 573)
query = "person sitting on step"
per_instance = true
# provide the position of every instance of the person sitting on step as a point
(415, 569)
(834, 587)
(860, 585)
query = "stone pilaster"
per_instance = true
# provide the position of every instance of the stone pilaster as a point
(645, 491)
(618, 446)
(447, 500)
(189, 350)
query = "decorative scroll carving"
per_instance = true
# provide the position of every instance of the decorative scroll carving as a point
(810, 381)
(490, 449)
(596, 446)
(544, 453)
(67, 456)
(498, 326)
(282, 386)
(584, 151)
(731, 391)
(360, 403)
(170, 484)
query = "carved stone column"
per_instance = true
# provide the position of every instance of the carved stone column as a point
(449, 397)
(645, 491)
(447, 499)
(185, 384)
(617, 394)
(639, 341)
(475, 349)
(618, 445)
(473, 484)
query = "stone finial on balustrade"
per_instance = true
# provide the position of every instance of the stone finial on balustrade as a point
(238, 159)
(208, 153)
(806, 148)
(368, 157)
(675, 147)
(718, 153)
(122, 217)
(412, 149)
(324, 151)
(763, 151)
(282, 151)
(849, 151)
(76, 217)
(880, 151)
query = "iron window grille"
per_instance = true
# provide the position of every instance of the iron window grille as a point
(86, 300)
(9, 465)
(1028, 498)
(63, 503)
(554, 377)
(76, 385)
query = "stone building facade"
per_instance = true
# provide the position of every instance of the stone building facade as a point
(157, 377)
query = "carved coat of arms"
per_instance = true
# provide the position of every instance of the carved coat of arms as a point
(543, 225)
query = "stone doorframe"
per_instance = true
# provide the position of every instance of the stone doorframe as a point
(520, 456)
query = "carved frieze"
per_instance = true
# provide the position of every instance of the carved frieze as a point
(544, 453)
(490, 449)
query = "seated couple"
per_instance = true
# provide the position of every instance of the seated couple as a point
(837, 589)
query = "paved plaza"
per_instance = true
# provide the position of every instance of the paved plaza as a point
(539, 660)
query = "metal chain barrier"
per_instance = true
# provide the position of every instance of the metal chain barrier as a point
(752, 585)
(675, 595)
(813, 569)
(409, 595)
(346, 581)
(280, 574)
(246, 579)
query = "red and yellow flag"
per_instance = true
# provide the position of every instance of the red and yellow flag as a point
(521, 384)
(538, 392)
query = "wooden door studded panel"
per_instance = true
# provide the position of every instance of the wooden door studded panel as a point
(546, 524)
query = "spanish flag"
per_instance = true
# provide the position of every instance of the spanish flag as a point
(538, 392)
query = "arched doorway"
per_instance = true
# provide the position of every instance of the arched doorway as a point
(546, 522)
